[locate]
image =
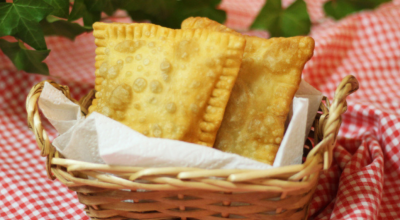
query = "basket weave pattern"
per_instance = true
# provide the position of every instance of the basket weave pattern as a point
(120, 192)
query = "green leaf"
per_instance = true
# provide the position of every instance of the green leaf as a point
(90, 11)
(339, 9)
(54, 26)
(205, 8)
(61, 7)
(21, 20)
(288, 22)
(160, 8)
(27, 60)
(90, 17)
(269, 18)
(78, 10)
(171, 13)
(140, 16)
(99, 6)
(295, 20)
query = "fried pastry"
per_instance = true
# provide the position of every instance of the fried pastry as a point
(270, 75)
(165, 83)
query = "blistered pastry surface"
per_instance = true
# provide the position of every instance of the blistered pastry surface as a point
(165, 83)
(270, 74)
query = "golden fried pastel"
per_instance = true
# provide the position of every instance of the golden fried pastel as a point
(165, 83)
(270, 75)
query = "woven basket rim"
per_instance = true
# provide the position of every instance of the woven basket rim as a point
(319, 157)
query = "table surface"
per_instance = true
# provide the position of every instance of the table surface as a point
(363, 182)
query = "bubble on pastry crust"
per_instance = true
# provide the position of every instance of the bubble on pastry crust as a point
(165, 66)
(278, 140)
(211, 109)
(184, 55)
(147, 33)
(171, 107)
(157, 131)
(152, 100)
(139, 85)
(103, 69)
(119, 115)
(210, 62)
(198, 97)
(120, 96)
(146, 132)
(218, 61)
(211, 74)
(183, 45)
(146, 62)
(113, 72)
(139, 68)
(254, 125)
(107, 51)
(194, 108)
(277, 57)
(129, 59)
(159, 48)
(269, 120)
(98, 94)
(156, 86)
(137, 106)
(111, 43)
(170, 128)
(107, 111)
(128, 73)
(184, 48)
(120, 64)
(138, 57)
(151, 44)
(104, 83)
(142, 119)
(165, 76)
(271, 140)
(195, 84)
(153, 51)
(183, 66)
(127, 46)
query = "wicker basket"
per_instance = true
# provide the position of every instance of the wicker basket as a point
(120, 192)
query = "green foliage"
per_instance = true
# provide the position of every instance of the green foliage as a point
(339, 9)
(80, 10)
(288, 22)
(54, 26)
(30, 20)
(60, 7)
(24, 59)
(171, 13)
(21, 19)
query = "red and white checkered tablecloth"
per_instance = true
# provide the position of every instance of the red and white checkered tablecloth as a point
(364, 180)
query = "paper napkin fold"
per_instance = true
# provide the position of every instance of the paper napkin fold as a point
(99, 139)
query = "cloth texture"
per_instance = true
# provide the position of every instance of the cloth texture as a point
(363, 181)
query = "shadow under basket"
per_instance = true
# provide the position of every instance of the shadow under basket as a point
(121, 192)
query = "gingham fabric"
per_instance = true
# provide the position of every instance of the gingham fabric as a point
(363, 181)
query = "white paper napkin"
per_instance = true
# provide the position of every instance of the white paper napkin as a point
(99, 139)
(293, 141)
